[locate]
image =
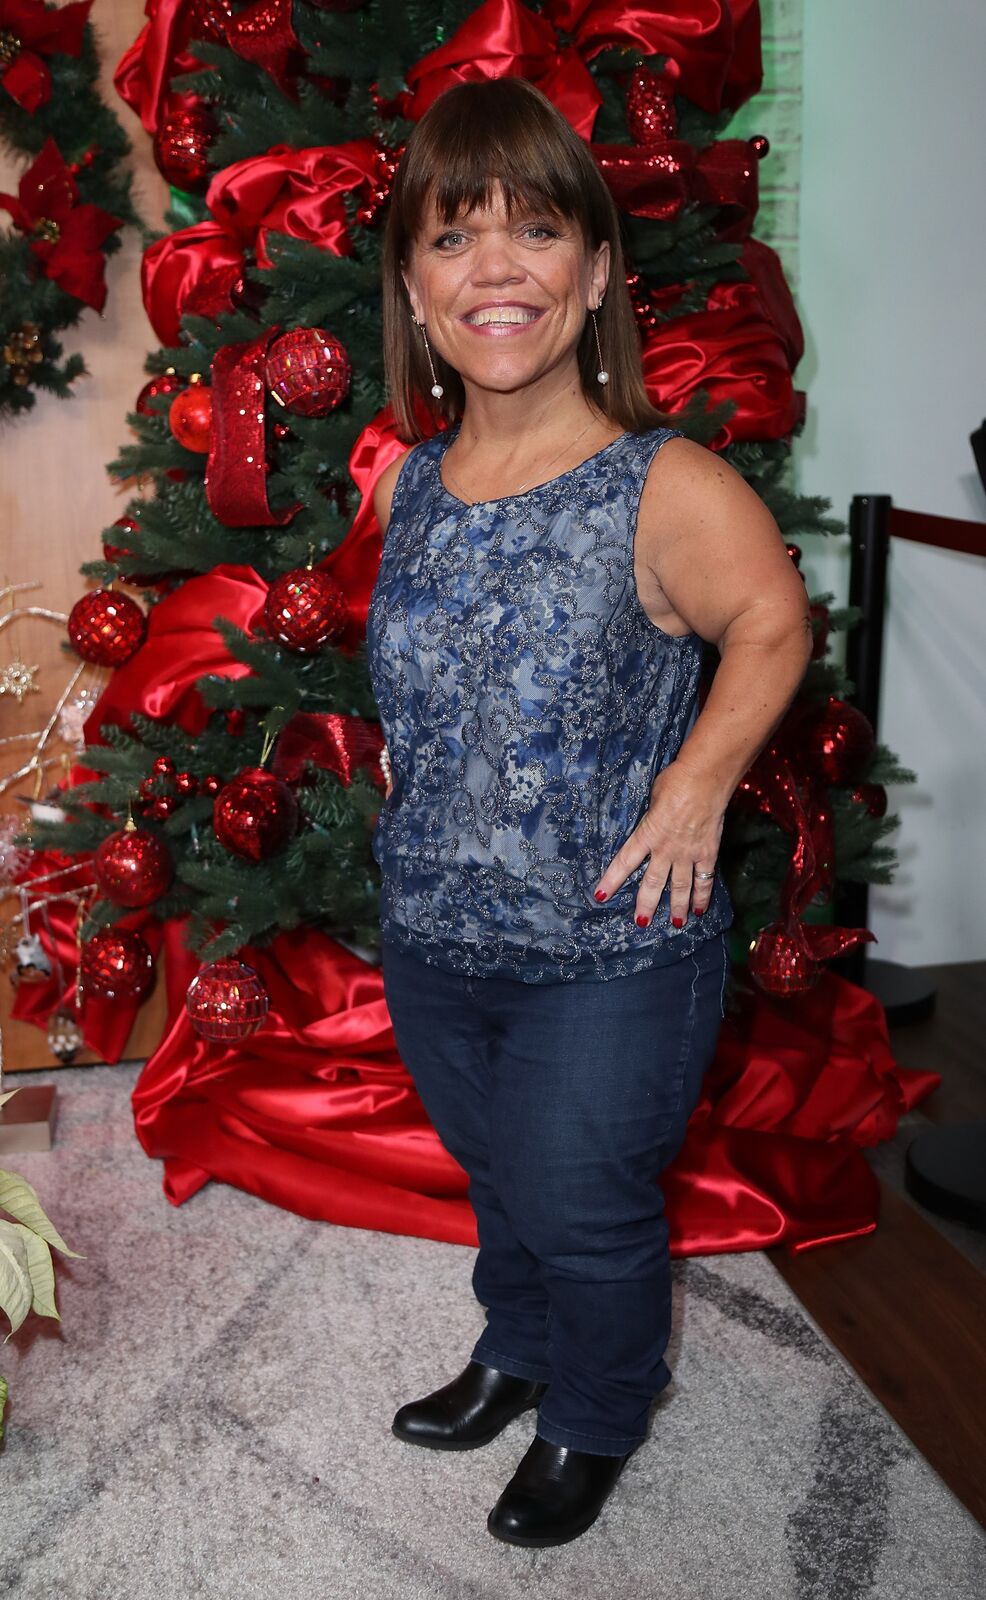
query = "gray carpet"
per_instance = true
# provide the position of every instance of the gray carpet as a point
(212, 1418)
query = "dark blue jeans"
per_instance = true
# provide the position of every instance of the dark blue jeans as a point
(563, 1102)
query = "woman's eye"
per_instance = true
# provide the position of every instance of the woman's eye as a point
(453, 236)
(541, 228)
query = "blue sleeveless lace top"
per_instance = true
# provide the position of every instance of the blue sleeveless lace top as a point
(527, 702)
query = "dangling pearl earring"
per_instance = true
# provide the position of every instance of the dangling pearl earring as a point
(602, 376)
(436, 387)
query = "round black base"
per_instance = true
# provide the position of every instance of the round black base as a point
(945, 1170)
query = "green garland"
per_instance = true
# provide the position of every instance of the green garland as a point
(34, 308)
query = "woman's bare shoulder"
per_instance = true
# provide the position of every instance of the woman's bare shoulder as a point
(688, 485)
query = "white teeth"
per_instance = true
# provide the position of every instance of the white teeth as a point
(497, 314)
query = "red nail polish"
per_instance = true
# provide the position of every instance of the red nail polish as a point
(676, 922)
(642, 922)
(700, 911)
(600, 894)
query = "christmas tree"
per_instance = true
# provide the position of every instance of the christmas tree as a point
(231, 779)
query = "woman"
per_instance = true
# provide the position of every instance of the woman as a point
(554, 947)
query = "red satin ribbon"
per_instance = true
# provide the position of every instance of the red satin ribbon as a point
(503, 39)
(236, 470)
(41, 33)
(735, 354)
(317, 1114)
(159, 53)
(193, 270)
(714, 47)
(182, 645)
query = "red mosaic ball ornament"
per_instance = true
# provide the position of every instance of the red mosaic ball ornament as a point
(107, 628)
(305, 609)
(838, 743)
(190, 418)
(182, 145)
(133, 867)
(226, 1000)
(780, 965)
(308, 371)
(255, 814)
(165, 384)
(117, 964)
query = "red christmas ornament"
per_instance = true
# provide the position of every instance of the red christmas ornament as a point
(166, 383)
(235, 721)
(780, 964)
(650, 108)
(255, 814)
(760, 145)
(209, 18)
(305, 609)
(226, 1000)
(117, 964)
(185, 783)
(210, 786)
(190, 417)
(182, 144)
(838, 742)
(107, 628)
(133, 867)
(794, 551)
(162, 807)
(308, 371)
(163, 767)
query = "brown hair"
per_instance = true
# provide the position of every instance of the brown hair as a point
(473, 135)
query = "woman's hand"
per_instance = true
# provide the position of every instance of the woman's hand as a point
(388, 791)
(680, 832)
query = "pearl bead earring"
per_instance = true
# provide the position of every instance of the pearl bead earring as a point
(602, 376)
(436, 387)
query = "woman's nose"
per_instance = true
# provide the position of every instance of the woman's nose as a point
(495, 261)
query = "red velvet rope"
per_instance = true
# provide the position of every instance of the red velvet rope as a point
(948, 533)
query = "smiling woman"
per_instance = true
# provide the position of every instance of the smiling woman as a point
(553, 924)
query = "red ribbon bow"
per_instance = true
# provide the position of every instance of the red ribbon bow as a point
(656, 180)
(65, 235)
(295, 192)
(39, 33)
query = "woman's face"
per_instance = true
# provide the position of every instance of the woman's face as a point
(504, 301)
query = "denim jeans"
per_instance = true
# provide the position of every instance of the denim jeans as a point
(563, 1102)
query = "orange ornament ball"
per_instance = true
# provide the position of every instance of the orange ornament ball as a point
(190, 418)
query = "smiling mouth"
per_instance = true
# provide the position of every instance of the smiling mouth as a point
(502, 319)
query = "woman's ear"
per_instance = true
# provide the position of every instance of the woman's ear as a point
(412, 297)
(599, 276)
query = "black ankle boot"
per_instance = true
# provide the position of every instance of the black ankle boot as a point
(555, 1494)
(469, 1411)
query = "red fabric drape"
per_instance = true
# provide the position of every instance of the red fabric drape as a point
(317, 1114)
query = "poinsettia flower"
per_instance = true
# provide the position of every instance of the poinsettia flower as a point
(28, 32)
(66, 234)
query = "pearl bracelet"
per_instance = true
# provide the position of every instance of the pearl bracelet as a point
(385, 763)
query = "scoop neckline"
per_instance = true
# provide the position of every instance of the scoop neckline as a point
(471, 505)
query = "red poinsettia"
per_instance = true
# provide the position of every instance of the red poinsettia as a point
(29, 32)
(66, 234)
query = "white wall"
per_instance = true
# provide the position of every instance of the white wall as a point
(892, 293)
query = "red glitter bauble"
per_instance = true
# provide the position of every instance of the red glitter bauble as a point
(166, 383)
(117, 964)
(226, 1000)
(107, 628)
(255, 814)
(838, 743)
(190, 418)
(779, 965)
(650, 108)
(209, 18)
(113, 552)
(305, 609)
(182, 144)
(133, 867)
(308, 371)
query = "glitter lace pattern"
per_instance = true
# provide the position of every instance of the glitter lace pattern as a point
(527, 702)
